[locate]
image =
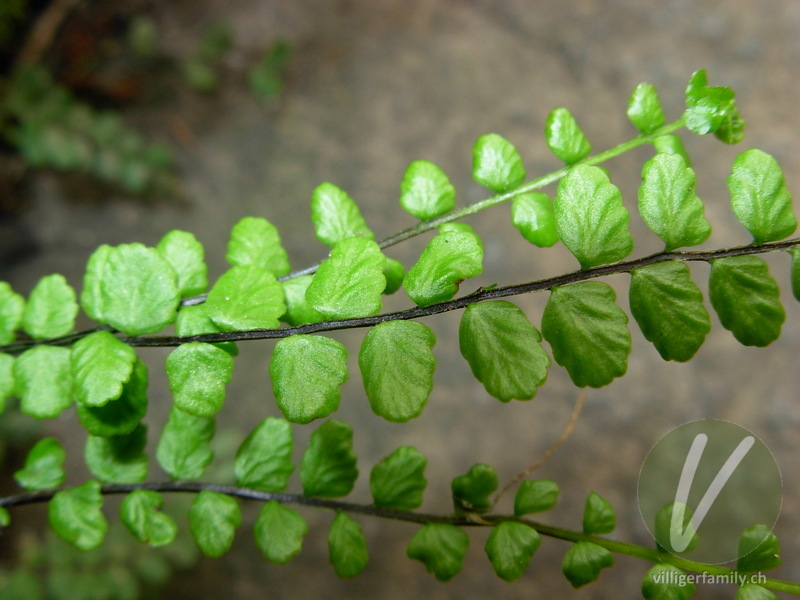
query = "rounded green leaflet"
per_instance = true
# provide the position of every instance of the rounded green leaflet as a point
(91, 295)
(795, 273)
(51, 308)
(336, 216)
(120, 416)
(471, 491)
(119, 458)
(588, 333)
(298, 310)
(398, 481)
(328, 467)
(256, 241)
(583, 562)
(279, 532)
(446, 261)
(349, 283)
(307, 372)
(759, 550)
(198, 374)
(752, 591)
(760, 198)
(644, 108)
(598, 515)
(264, 460)
(246, 298)
(565, 138)
(458, 227)
(668, 203)
(347, 546)
(665, 582)
(425, 191)
(395, 272)
(213, 519)
(441, 548)
(535, 496)
(140, 513)
(590, 217)
(184, 449)
(43, 381)
(669, 309)
(712, 110)
(503, 350)
(496, 164)
(532, 214)
(76, 516)
(746, 299)
(397, 366)
(101, 364)
(12, 307)
(510, 547)
(44, 466)
(187, 257)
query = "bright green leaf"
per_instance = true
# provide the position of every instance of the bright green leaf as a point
(588, 333)
(198, 374)
(347, 546)
(590, 217)
(91, 295)
(712, 110)
(298, 310)
(307, 372)
(458, 227)
(43, 381)
(425, 191)
(184, 449)
(751, 591)
(120, 416)
(471, 491)
(336, 216)
(672, 144)
(329, 464)
(535, 496)
(503, 349)
(795, 253)
(496, 164)
(398, 481)
(140, 513)
(565, 138)
(669, 309)
(532, 214)
(598, 515)
(44, 466)
(441, 548)
(760, 198)
(213, 519)
(256, 241)
(187, 257)
(510, 548)
(759, 550)
(118, 459)
(395, 272)
(101, 365)
(5, 517)
(76, 516)
(246, 298)
(583, 562)
(279, 532)
(397, 366)
(264, 460)
(6, 379)
(644, 108)
(194, 320)
(12, 307)
(746, 299)
(665, 582)
(51, 308)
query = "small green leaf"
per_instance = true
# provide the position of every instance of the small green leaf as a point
(751, 591)
(397, 366)
(246, 298)
(584, 561)
(76, 516)
(140, 513)
(503, 349)
(138, 290)
(44, 466)
(426, 192)
(213, 519)
(532, 214)
(91, 295)
(644, 109)
(669, 309)
(747, 299)
(712, 110)
(101, 365)
(795, 253)
(441, 548)
(51, 308)
(510, 547)
(43, 381)
(184, 449)
(118, 459)
(535, 496)
(347, 546)
(336, 216)
(307, 372)
(194, 320)
(398, 481)
(565, 138)
(588, 333)
(6, 379)
(329, 464)
(496, 164)
(672, 144)
(446, 261)
(198, 374)
(12, 307)
(264, 460)
(5, 517)
(471, 491)
(349, 283)
(394, 271)
(298, 310)
(590, 217)
(598, 515)
(120, 416)
(668, 204)
(759, 197)
(279, 532)
(256, 241)
(665, 531)
(759, 550)
(458, 227)
(665, 582)
(187, 257)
